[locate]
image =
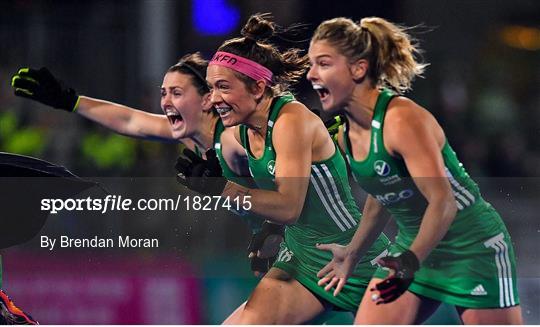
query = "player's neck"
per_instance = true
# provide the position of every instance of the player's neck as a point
(361, 106)
(205, 138)
(258, 121)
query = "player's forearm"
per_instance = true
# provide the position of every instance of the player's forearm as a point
(436, 221)
(274, 206)
(108, 114)
(116, 117)
(373, 221)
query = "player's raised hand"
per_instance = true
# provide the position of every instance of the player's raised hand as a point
(40, 85)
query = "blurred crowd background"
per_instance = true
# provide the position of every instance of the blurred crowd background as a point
(483, 85)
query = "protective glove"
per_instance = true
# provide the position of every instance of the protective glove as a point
(264, 247)
(199, 175)
(403, 266)
(40, 85)
(332, 124)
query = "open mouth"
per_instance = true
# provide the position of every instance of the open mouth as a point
(175, 118)
(322, 91)
(223, 111)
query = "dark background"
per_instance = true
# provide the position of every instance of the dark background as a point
(483, 85)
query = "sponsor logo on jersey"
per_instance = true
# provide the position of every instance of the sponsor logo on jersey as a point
(390, 180)
(479, 290)
(393, 197)
(381, 168)
(271, 167)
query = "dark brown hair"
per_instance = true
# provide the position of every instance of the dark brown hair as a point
(287, 67)
(195, 65)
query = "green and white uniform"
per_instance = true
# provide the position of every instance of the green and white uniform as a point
(252, 220)
(329, 215)
(473, 265)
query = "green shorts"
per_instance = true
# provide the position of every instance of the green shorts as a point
(479, 275)
(303, 261)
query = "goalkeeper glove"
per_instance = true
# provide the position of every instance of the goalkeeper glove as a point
(404, 266)
(264, 247)
(199, 175)
(40, 85)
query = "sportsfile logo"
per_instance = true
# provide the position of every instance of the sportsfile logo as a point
(381, 168)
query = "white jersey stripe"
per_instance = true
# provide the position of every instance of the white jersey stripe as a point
(375, 145)
(323, 200)
(506, 259)
(491, 244)
(459, 205)
(504, 270)
(500, 255)
(328, 194)
(511, 278)
(501, 279)
(462, 198)
(458, 187)
(336, 194)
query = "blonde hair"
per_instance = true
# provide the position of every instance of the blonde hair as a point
(391, 52)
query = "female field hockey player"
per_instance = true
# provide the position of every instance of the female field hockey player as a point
(300, 173)
(187, 117)
(452, 246)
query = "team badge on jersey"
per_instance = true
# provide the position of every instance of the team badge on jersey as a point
(381, 168)
(271, 166)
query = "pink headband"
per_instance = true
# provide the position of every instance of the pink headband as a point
(242, 65)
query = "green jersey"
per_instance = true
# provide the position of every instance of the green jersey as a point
(329, 207)
(228, 173)
(329, 215)
(469, 240)
(253, 221)
(387, 179)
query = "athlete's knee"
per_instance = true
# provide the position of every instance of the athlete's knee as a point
(253, 316)
(403, 311)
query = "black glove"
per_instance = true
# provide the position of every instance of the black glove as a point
(41, 85)
(404, 267)
(332, 124)
(199, 175)
(266, 240)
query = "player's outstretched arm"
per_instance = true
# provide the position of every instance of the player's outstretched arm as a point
(42, 86)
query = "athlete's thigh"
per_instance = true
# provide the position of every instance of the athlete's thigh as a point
(408, 309)
(280, 299)
(496, 316)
